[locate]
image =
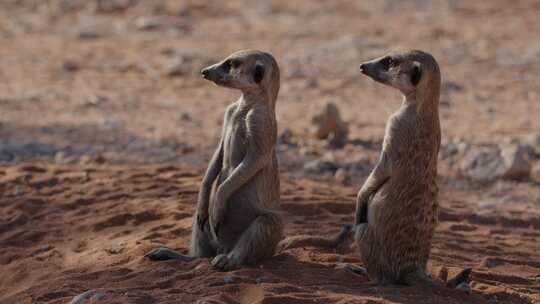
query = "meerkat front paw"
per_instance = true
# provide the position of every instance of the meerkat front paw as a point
(224, 262)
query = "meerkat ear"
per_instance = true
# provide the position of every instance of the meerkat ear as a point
(416, 74)
(258, 73)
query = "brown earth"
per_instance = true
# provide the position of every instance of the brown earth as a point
(106, 128)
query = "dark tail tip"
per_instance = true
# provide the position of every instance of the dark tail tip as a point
(463, 276)
(344, 233)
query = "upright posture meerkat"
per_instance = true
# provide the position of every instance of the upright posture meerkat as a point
(236, 219)
(396, 211)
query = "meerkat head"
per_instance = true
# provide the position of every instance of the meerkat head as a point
(407, 71)
(248, 70)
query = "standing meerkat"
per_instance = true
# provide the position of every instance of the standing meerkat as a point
(237, 220)
(397, 207)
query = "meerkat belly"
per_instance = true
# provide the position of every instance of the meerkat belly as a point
(376, 205)
(241, 204)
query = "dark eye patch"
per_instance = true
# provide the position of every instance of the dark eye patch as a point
(226, 66)
(258, 73)
(416, 75)
(387, 62)
(235, 63)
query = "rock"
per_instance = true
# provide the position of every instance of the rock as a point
(94, 100)
(89, 34)
(286, 138)
(342, 176)
(487, 205)
(517, 161)
(533, 140)
(112, 6)
(5, 156)
(320, 166)
(176, 68)
(70, 66)
(486, 164)
(145, 23)
(295, 72)
(535, 171)
(329, 125)
(483, 164)
(185, 116)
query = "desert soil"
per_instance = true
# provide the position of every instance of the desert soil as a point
(106, 128)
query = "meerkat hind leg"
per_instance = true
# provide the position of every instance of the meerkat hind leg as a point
(259, 241)
(200, 247)
(201, 244)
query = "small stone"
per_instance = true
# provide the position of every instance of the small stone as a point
(6, 156)
(18, 190)
(185, 116)
(517, 161)
(70, 66)
(85, 160)
(295, 72)
(111, 6)
(89, 34)
(483, 164)
(228, 279)
(320, 166)
(311, 83)
(95, 100)
(145, 23)
(176, 68)
(487, 205)
(62, 158)
(100, 159)
(286, 137)
(342, 176)
(329, 125)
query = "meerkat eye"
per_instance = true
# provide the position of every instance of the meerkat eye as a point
(226, 66)
(386, 62)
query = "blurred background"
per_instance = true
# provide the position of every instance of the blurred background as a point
(106, 127)
(118, 80)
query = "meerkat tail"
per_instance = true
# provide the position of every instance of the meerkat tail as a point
(463, 276)
(315, 241)
(420, 278)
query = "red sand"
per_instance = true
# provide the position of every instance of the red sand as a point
(102, 147)
(66, 230)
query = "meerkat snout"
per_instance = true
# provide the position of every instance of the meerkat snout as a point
(215, 73)
(205, 73)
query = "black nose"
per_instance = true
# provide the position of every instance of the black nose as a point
(363, 67)
(205, 73)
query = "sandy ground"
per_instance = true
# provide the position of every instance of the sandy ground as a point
(106, 128)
